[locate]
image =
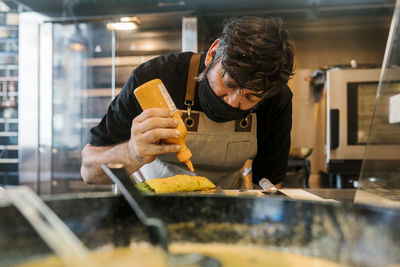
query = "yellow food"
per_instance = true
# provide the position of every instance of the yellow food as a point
(180, 183)
(229, 255)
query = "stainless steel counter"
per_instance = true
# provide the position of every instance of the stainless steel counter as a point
(336, 194)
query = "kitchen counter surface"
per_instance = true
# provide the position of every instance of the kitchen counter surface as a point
(330, 193)
(317, 194)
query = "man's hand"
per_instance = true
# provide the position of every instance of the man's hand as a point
(148, 129)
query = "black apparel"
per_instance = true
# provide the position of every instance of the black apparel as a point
(274, 115)
(214, 107)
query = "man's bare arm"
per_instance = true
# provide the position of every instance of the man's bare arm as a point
(94, 156)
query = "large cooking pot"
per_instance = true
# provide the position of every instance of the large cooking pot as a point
(343, 233)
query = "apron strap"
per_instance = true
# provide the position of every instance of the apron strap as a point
(191, 81)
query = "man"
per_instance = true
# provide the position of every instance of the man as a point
(241, 108)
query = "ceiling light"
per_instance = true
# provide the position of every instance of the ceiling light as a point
(124, 24)
(125, 19)
(171, 4)
(98, 49)
(77, 41)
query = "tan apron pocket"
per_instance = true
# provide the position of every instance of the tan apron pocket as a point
(238, 152)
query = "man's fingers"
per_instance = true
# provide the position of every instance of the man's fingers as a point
(155, 135)
(157, 122)
(153, 112)
(150, 151)
(157, 149)
(148, 129)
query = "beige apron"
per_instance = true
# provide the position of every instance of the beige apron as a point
(219, 149)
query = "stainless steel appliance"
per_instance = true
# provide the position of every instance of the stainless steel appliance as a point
(351, 96)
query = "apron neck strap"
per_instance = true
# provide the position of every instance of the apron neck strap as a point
(191, 81)
(190, 87)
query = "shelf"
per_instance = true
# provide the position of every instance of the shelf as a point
(99, 92)
(8, 173)
(9, 66)
(14, 27)
(9, 82)
(119, 61)
(95, 92)
(8, 79)
(90, 120)
(8, 147)
(9, 39)
(9, 160)
(9, 93)
(13, 53)
(3, 120)
(8, 133)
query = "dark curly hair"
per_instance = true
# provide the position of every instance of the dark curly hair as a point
(256, 53)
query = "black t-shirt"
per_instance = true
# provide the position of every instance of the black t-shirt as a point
(274, 115)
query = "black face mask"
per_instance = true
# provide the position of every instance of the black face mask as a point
(215, 108)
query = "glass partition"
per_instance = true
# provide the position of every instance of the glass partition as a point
(81, 94)
(380, 179)
(91, 63)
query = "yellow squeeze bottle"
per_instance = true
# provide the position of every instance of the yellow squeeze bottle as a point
(153, 94)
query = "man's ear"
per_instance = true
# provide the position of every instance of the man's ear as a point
(211, 53)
